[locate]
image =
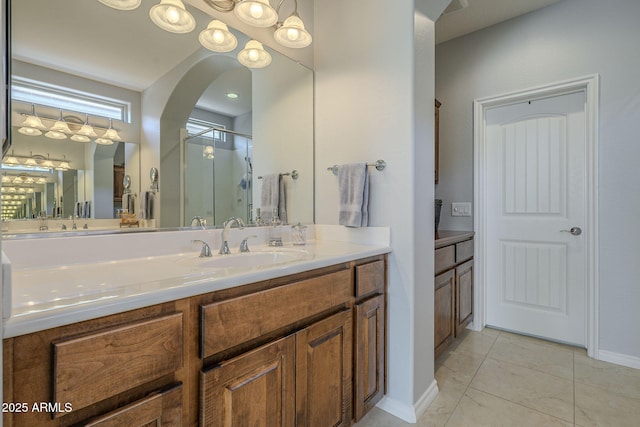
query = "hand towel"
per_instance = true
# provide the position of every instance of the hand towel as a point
(270, 197)
(282, 200)
(353, 185)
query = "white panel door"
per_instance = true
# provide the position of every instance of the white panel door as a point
(536, 183)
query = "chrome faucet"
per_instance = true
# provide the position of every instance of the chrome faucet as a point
(224, 247)
(199, 221)
(205, 252)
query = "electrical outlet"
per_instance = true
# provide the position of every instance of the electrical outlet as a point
(461, 209)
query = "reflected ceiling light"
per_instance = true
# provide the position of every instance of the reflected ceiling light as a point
(217, 37)
(6, 179)
(122, 4)
(258, 13)
(32, 125)
(47, 163)
(104, 141)
(172, 16)
(11, 160)
(207, 152)
(41, 180)
(254, 56)
(63, 166)
(59, 130)
(292, 33)
(30, 163)
(232, 95)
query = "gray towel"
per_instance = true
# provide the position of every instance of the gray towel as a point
(146, 204)
(353, 185)
(270, 197)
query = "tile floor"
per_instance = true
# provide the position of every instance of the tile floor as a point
(494, 378)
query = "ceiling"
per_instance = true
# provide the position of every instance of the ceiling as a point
(126, 49)
(481, 14)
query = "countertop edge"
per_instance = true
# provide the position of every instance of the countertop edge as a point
(446, 238)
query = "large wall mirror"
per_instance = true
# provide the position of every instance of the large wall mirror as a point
(83, 63)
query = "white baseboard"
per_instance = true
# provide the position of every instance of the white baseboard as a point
(410, 413)
(619, 359)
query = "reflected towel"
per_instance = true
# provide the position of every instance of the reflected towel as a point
(282, 200)
(129, 202)
(270, 196)
(146, 204)
(353, 185)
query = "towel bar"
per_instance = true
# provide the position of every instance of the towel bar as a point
(379, 165)
(294, 174)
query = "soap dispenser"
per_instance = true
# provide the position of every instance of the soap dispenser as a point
(275, 230)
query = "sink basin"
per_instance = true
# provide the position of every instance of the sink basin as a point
(249, 260)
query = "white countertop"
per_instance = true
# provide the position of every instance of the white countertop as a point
(88, 285)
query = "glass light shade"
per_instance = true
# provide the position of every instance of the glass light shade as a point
(53, 134)
(6, 179)
(61, 126)
(17, 180)
(172, 16)
(122, 4)
(112, 134)
(254, 56)
(30, 131)
(11, 160)
(47, 164)
(30, 190)
(12, 190)
(217, 37)
(41, 180)
(207, 152)
(63, 166)
(258, 13)
(29, 180)
(104, 141)
(292, 33)
(30, 163)
(87, 130)
(33, 121)
(80, 138)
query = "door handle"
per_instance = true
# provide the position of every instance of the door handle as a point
(576, 231)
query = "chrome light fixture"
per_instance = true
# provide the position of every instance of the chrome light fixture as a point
(258, 13)
(122, 4)
(217, 37)
(172, 16)
(254, 56)
(32, 125)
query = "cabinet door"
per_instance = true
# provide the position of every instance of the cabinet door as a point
(369, 358)
(464, 296)
(163, 408)
(323, 372)
(254, 389)
(443, 310)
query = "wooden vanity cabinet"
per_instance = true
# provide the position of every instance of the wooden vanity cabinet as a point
(300, 350)
(453, 286)
(120, 367)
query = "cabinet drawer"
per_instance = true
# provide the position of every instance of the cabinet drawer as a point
(445, 258)
(159, 409)
(369, 278)
(94, 367)
(226, 324)
(464, 251)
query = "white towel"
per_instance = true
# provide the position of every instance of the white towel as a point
(270, 197)
(353, 185)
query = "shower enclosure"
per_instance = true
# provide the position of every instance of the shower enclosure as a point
(217, 176)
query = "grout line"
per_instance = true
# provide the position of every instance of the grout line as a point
(470, 381)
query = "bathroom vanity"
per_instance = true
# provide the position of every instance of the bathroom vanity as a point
(301, 342)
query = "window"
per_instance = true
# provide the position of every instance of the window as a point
(34, 92)
(195, 126)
